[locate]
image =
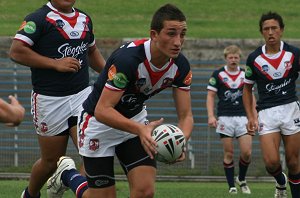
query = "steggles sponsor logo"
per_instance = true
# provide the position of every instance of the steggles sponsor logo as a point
(277, 87)
(232, 96)
(66, 50)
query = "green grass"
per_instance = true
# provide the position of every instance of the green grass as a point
(13, 188)
(206, 18)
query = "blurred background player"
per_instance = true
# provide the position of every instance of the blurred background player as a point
(12, 113)
(57, 43)
(227, 83)
(114, 120)
(274, 67)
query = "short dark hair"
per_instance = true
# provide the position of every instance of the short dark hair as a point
(167, 12)
(268, 16)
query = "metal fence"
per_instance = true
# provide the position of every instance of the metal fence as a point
(19, 148)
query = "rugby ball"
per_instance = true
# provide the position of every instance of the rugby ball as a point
(170, 142)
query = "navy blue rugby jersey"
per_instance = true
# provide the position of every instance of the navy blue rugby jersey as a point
(275, 75)
(55, 35)
(129, 70)
(229, 89)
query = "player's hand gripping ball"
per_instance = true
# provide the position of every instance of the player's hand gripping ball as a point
(170, 142)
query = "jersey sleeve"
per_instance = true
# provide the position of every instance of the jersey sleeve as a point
(30, 29)
(213, 82)
(250, 75)
(119, 74)
(184, 78)
(92, 36)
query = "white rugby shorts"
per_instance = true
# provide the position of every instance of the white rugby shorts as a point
(99, 140)
(284, 119)
(51, 113)
(232, 126)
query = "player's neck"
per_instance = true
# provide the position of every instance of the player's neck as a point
(232, 68)
(272, 49)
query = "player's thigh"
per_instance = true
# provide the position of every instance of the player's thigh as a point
(227, 143)
(270, 143)
(245, 143)
(52, 147)
(73, 135)
(292, 149)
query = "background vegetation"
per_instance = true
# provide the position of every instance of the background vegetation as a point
(206, 18)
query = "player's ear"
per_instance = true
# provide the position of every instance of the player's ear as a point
(153, 34)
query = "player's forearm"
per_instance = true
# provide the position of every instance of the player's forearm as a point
(248, 102)
(96, 59)
(111, 117)
(186, 125)
(210, 106)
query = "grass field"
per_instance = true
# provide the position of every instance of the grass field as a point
(12, 188)
(206, 18)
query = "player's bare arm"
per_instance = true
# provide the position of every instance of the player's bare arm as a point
(248, 105)
(210, 106)
(21, 53)
(182, 100)
(96, 59)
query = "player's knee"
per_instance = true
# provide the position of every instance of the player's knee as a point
(50, 164)
(246, 156)
(271, 162)
(293, 165)
(142, 192)
(228, 156)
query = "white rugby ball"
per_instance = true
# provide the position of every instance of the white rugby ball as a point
(170, 142)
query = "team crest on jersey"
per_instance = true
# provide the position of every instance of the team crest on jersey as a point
(167, 82)
(59, 23)
(188, 79)
(86, 27)
(287, 65)
(140, 82)
(248, 71)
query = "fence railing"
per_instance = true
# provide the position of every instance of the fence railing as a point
(19, 146)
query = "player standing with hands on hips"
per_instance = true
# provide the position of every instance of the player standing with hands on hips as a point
(114, 120)
(227, 83)
(57, 43)
(274, 67)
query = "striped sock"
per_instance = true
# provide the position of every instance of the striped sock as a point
(294, 181)
(229, 172)
(76, 182)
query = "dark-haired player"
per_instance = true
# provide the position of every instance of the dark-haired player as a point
(57, 43)
(274, 67)
(114, 120)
